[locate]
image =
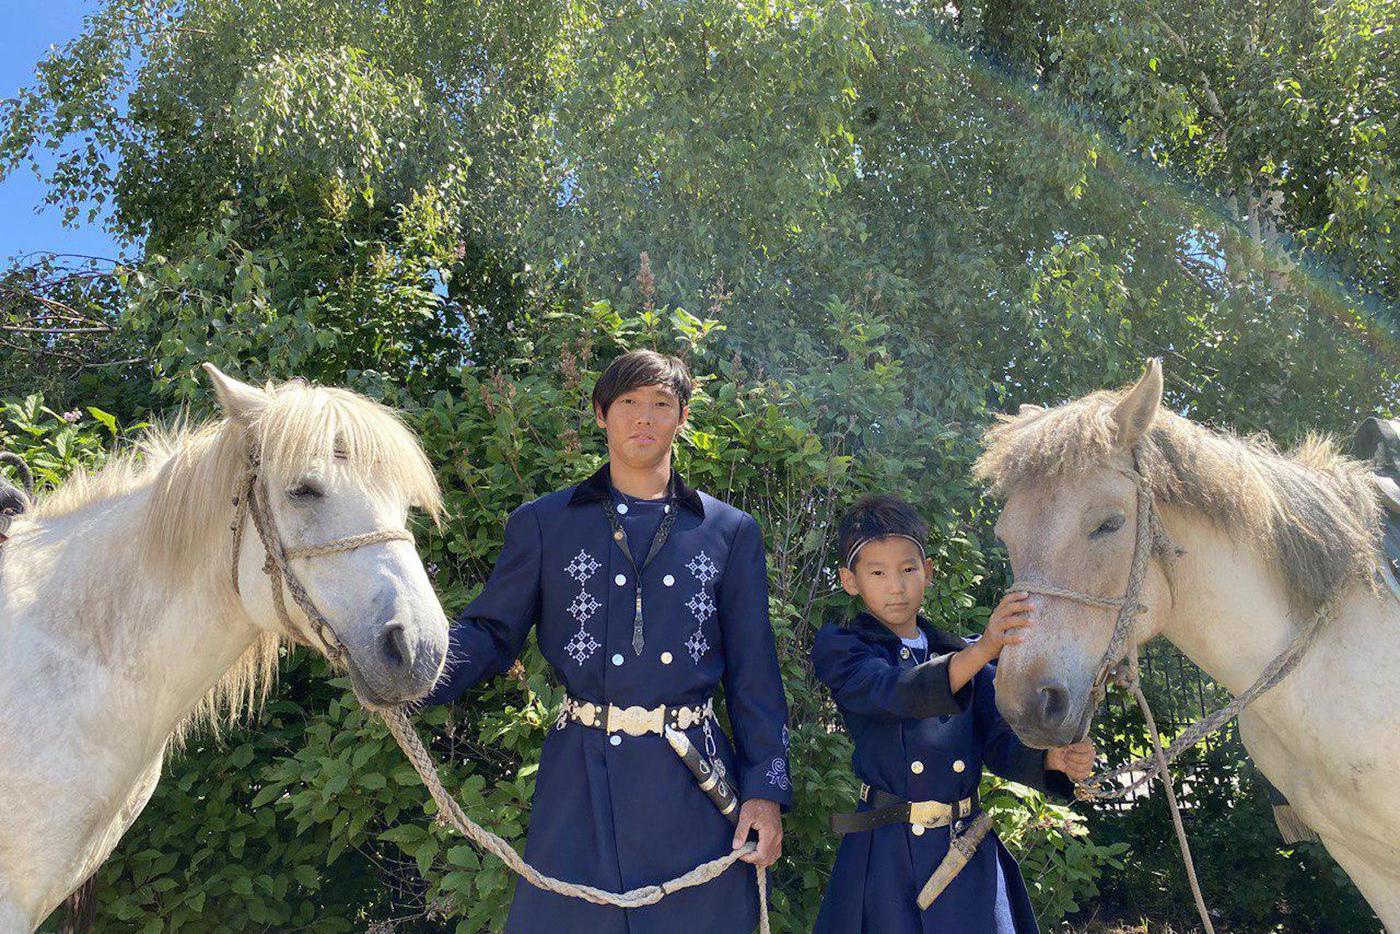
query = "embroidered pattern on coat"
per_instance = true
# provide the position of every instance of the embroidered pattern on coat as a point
(701, 605)
(697, 645)
(703, 568)
(777, 774)
(582, 644)
(582, 567)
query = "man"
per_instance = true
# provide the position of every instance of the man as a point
(648, 595)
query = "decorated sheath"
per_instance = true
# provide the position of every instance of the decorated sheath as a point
(960, 850)
(711, 783)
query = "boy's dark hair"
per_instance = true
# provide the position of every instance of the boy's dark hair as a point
(878, 516)
(638, 368)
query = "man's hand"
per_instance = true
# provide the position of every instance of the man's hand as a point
(1076, 761)
(766, 817)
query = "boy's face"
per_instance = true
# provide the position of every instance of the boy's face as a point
(641, 425)
(889, 577)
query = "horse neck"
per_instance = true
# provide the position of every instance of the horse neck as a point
(158, 643)
(1230, 611)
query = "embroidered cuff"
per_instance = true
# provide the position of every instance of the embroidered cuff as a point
(770, 780)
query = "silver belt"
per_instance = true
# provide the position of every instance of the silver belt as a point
(634, 721)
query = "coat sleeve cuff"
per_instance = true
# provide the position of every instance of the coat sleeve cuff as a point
(928, 693)
(770, 781)
(461, 671)
(1030, 770)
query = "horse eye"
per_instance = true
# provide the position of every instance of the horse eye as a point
(1108, 526)
(303, 492)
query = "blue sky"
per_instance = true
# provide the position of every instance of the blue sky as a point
(27, 29)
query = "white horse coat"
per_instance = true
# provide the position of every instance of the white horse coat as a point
(119, 622)
(1265, 538)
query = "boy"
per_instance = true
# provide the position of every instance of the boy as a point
(647, 595)
(920, 708)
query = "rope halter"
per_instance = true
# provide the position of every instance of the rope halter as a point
(252, 500)
(1128, 605)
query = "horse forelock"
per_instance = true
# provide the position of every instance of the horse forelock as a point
(1313, 511)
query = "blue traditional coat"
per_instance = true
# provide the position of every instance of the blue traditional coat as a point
(623, 811)
(916, 739)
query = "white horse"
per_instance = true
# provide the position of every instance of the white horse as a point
(1264, 539)
(121, 624)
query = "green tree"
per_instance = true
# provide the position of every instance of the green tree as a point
(886, 220)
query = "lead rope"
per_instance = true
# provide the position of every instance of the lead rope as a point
(248, 503)
(1177, 825)
(450, 813)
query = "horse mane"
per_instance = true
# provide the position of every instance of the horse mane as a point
(1313, 511)
(193, 472)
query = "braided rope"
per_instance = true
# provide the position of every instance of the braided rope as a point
(1050, 590)
(1102, 787)
(1171, 798)
(452, 813)
(349, 543)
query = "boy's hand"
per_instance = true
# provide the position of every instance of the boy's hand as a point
(1076, 761)
(1012, 615)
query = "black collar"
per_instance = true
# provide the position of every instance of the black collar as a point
(595, 489)
(871, 629)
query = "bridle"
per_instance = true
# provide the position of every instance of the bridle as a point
(252, 500)
(1106, 785)
(1149, 532)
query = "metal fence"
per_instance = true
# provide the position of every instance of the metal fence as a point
(1180, 694)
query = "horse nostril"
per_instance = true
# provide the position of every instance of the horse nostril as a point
(394, 644)
(1054, 701)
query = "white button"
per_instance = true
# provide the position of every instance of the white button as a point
(958, 765)
(617, 659)
(620, 579)
(668, 580)
(904, 652)
(615, 740)
(917, 830)
(622, 508)
(665, 658)
(916, 767)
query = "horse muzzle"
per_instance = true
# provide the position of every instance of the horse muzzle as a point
(1051, 713)
(397, 663)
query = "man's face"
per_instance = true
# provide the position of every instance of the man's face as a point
(641, 424)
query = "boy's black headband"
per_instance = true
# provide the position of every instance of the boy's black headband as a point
(861, 543)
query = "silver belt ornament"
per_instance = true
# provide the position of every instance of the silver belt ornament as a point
(634, 721)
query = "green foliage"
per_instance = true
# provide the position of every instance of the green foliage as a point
(55, 445)
(868, 225)
(1061, 862)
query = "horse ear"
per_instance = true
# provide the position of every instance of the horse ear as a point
(1028, 409)
(240, 402)
(1134, 414)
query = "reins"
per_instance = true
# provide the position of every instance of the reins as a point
(251, 500)
(1121, 665)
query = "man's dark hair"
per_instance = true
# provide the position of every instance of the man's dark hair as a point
(878, 516)
(638, 368)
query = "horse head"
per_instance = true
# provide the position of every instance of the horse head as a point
(1070, 521)
(329, 477)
